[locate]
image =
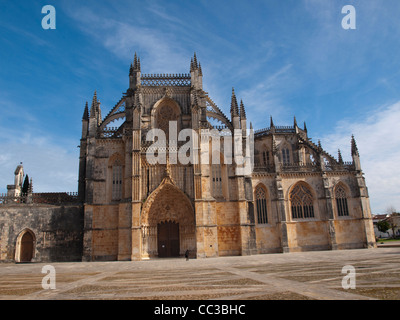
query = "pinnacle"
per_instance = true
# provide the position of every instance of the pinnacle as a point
(136, 63)
(86, 112)
(354, 149)
(195, 61)
(93, 108)
(234, 104)
(340, 156)
(242, 110)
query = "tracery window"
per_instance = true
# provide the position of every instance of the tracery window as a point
(261, 205)
(116, 181)
(265, 155)
(166, 114)
(285, 156)
(341, 201)
(301, 200)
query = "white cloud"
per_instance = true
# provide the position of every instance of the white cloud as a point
(159, 48)
(264, 98)
(378, 140)
(53, 167)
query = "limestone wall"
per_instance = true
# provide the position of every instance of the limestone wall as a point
(57, 230)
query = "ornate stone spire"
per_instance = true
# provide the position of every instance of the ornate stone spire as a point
(93, 108)
(340, 159)
(195, 65)
(234, 104)
(86, 112)
(242, 110)
(354, 149)
(136, 64)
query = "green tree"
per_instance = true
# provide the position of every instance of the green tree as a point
(25, 186)
(392, 220)
(383, 226)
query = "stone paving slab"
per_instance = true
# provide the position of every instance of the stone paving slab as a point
(293, 276)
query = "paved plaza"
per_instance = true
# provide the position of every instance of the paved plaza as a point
(293, 276)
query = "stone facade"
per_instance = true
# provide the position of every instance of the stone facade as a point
(297, 197)
(56, 232)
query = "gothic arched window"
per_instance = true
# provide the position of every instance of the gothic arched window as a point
(261, 205)
(265, 158)
(285, 156)
(116, 181)
(301, 200)
(341, 201)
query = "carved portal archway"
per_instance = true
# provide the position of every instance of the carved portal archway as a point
(167, 205)
(25, 246)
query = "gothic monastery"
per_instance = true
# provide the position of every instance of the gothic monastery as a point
(296, 197)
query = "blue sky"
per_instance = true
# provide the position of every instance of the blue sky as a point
(284, 59)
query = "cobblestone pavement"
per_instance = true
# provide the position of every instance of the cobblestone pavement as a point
(293, 276)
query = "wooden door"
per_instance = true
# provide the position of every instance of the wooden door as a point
(26, 247)
(168, 239)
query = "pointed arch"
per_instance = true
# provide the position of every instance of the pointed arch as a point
(265, 156)
(165, 110)
(301, 200)
(261, 200)
(167, 203)
(285, 153)
(25, 246)
(341, 194)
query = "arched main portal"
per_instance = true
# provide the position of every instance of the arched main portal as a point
(168, 223)
(25, 246)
